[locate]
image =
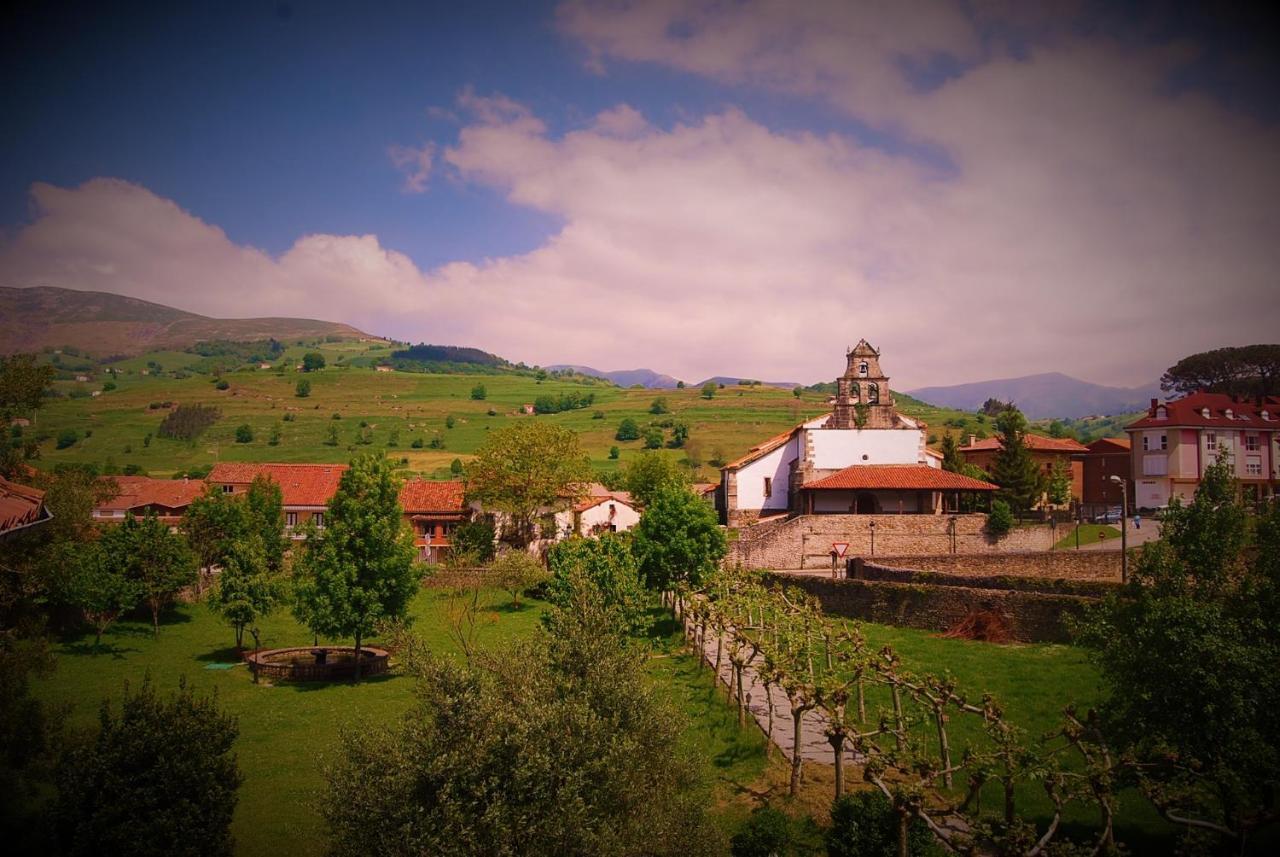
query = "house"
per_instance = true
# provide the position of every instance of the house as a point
(862, 458)
(82, 378)
(1106, 457)
(527, 409)
(611, 512)
(21, 506)
(1047, 452)
(167, 499)
(382, 367)
(264, 366)
(433, 510)
(1172, 445)
(306, 489)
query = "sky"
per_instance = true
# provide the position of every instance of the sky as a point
(981, 189)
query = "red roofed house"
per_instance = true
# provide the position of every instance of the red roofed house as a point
(21, 506)
(602, 512)
(167, 499)
(433, 509)
(306, 488)
(1046, 451)
(1106, 457)
(864, 434)
(1176, 440)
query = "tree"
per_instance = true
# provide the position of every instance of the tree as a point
(653, 438)
(1000, 521)
(994, 407)
(276, 434)
(864, 824)
(1020, 479)
(159, 562)
(1188, 651)
(303, 388)
(68, 437)
(558, 746)
(331, 435)
(709, 390)
(525, 469)
(650, 473)
(796, 391)
(678, 540)
(614, 452)
(360, 569)
(659, 406)
(766, 833)
(244, 433)
(608, 564)
(1251, 370)
(100, 589)
(679, 434)
(247, 589)
(475, 540)
(312, 361)
(627, 430)
(515, 571)
(479, 393)
(22, 385)
(159, 778)
(455, 467)
(1058, 485)
(951, 459)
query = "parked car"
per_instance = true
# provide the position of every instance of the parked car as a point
(1111, 516)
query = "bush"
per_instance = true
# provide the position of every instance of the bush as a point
(766, 833)
(302, 389)
(336, 416)
(455, 467)
(449, 422)
(1000, 521)
(570, 401)
(417, 443)
(312, 361)
(479, 393)
(187, 422)
(863, 824)
(597, 415)
(290, 417)
(627, 430)
(244, 433)
(659, 406)
(222, 385)
(68, 437)
(614, 452)
(109, 386)
(653, 439)
(474, 539)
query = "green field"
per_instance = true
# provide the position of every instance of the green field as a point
(1089, 534)
(405, 405)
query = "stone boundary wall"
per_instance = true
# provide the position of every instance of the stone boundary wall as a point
(1082, 565)
(1032, 617)
(805, 541)
(1089, 587)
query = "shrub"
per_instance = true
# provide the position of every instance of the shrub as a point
(1000, 521)
(659, 406)
(109, 386)
(479, 393)
(244, 433)
(653, 439)
(302, 389)
(449, 422)
(571, 401)
(437, 442)
(863, 824)
(312, 361)
(67, 437)
(455, 467)
(614, 453)
(187, 422)
(491, 412)
(290, 417)
(709, 390)
(222, 385)
(474, 539)
(597, 415)
(417, 443)
(766, 833)
(336, 416)
(627, 430)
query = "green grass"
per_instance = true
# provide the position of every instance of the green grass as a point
(1089, 534)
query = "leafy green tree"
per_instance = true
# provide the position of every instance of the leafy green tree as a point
(659, 406)
(247, 587)
(303, 388)
(1020, 479)
(331, 436)
(796, 391)
(515, 571)
(524, 470)
(210, 523)
(244, 433)
(360, 569)
(159, 778)
(159, 562)
(558, 746)
(455, 467)
(100, 589)
(276, 433)
(627, 430)
(1250, 370)
(653, 438)
(1188, 651)
(864, 824)
(951, 458)
(650, 473)
(614, 453)
(1058, 485)
(475, 540)
(679, 435)
(1000, 520)
(678, 540)
(22, 385)
(479, 393)
(766, 833)
(68, 437)
(312, 361)
(708, 390)
(608, 564)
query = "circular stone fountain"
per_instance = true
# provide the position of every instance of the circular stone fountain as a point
(318, 663)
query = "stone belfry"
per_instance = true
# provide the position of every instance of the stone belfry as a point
(863, 399)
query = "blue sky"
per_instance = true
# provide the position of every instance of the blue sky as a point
(759, 167)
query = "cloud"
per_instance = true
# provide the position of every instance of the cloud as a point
(415, 163)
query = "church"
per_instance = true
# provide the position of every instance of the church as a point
(862, 458)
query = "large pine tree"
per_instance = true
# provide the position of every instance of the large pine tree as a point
(1014, 470)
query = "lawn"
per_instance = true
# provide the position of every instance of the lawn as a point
(1089, 534)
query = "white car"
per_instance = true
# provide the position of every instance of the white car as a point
(1111, 516)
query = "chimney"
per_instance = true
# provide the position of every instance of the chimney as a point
(973, 440)
(1152, 410)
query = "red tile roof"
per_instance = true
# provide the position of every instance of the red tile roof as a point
(617, 496)
(1110, 445)
(301, 484)
(137, 492)
(418, 496)
(1035, 442)
(20, 505)
(901, 477)
(1189, 411)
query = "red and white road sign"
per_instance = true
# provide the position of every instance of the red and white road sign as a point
(840, 547)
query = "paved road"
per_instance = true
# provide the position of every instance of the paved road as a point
(1149, 531)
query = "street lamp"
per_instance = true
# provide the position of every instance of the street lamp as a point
(1124, 527)
(873, 538)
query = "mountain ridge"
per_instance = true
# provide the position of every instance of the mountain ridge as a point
(1044, 395)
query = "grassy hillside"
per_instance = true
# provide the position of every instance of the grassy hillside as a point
(106, 324)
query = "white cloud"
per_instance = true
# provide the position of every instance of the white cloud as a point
(415, 163)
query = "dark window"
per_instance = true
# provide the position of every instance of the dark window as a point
(768, 487)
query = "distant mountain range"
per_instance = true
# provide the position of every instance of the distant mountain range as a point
(730, 380)
(104, 324)
(1051, 394)
(624, 377)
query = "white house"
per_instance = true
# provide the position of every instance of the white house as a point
(863, 457)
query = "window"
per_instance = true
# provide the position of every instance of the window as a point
(318, 517)
(1230, 414)
(873, 394)
(1253, 465)
(291, 519)
(1164, 442)
(228, 489)
(1146, 443)
(863, 368)
(768, 486)
(1210, 441)
(1251, 442)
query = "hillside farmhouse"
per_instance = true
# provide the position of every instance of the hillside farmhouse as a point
(863, 458)
(1046, 452)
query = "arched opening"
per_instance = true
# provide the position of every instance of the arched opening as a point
(873, 394)
(865, 503)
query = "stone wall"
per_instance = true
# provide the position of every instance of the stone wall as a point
(1076, 565)
(1031, 616)
(805, 541)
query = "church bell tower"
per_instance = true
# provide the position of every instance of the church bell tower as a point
(863, 399)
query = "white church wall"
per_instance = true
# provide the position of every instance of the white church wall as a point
(776, 466)
(835, 449)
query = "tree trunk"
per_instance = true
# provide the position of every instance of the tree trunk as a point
(155, 616)
(837, 747)
(719, 649)
(737, 671)
(944, 748)
(897, 716)
(239, 635)
(862, 703)
(357, 657)
(904, 828)
(768, 694)
(797, 736)
(97, 640)
(1008, 798)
